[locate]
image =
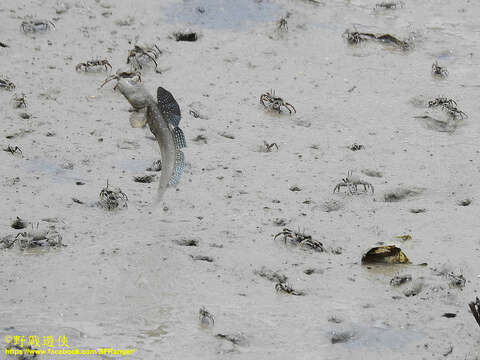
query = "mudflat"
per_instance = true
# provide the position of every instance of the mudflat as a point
(202, 275)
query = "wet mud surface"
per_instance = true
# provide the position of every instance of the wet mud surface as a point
(137, 276)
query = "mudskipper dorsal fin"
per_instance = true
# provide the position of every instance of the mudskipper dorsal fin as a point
(179, 166)
(168, 106)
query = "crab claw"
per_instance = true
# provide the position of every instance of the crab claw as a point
(108, 79)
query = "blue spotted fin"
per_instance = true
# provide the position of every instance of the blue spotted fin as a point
(179, 166)
(168, 106)
(179, 138)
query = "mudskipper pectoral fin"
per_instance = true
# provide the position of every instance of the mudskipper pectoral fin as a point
(138, 119)
(168, 106)
(179, 166)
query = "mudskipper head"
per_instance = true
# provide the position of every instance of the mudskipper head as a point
(134, 92)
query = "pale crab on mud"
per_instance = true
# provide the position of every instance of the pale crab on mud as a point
(449, 106)
(142, 54)
(351, 182)
(36, 237)
(31, 26)
(205, 317)
(301, 239)
(93, 65)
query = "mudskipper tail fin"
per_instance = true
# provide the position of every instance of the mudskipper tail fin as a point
(179, 166)
(180, 142)
(179, 138)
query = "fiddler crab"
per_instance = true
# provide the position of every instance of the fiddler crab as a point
(6, 84)
(269, 147)
(300, 239)
(36, 237)
(282, 25)
(351, 182)
(450, 106)
(442, 101)
(287, 289)
(275, 103)
(112, 198)
(439, 71)
(13, 150)
(356, 37)
(389, 5)
(31, 26)
(94, 65)
(356, 147)
(142, 54)
(205, 317)
(19, 101)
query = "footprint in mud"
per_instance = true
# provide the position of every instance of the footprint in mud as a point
(372, 173)
(415, 289)
(202, 258)
(331, 205)
(401, 193)
(342, 337)
(186, 242)
(271, 275)
(438, 123)
(373, 337)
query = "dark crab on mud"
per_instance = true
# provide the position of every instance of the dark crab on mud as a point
(389, 5)
(23, 352)
(283, 287)
(442, 101)
(13, 150)
(475, 309)
(268, 147)
(19, 101)
(206, 318)
(439, 71)
(141, 55)
(449, 106)
(31, 26)
(282, 25)
(355, 37)
(356, 147)
(94, 65)
(112, 198)
(6, 84)
(301, 239)
(275, 103)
